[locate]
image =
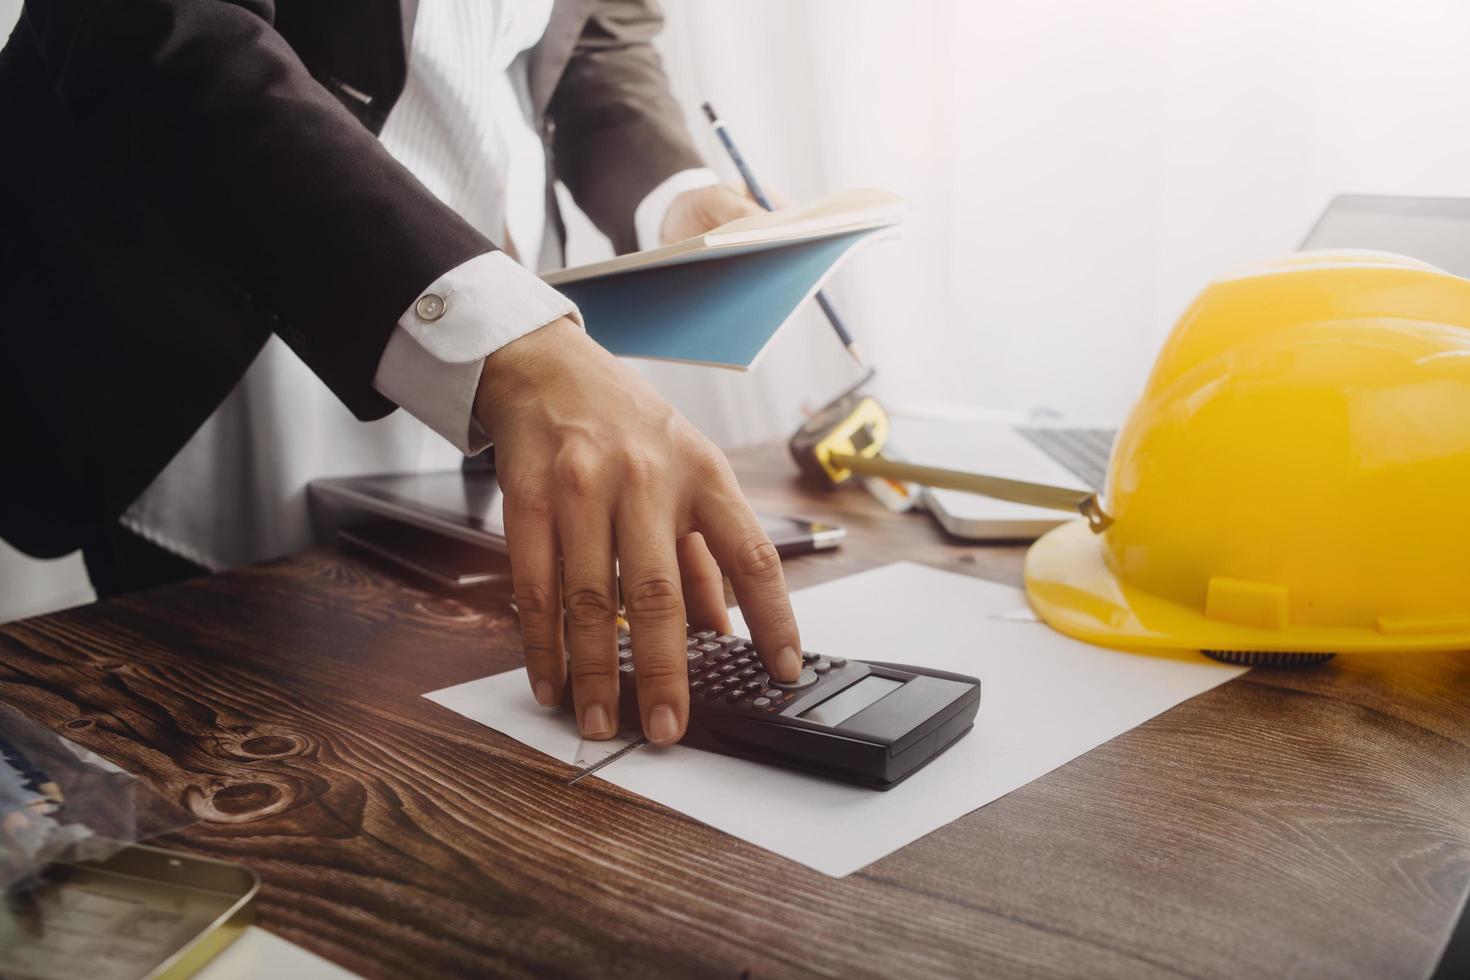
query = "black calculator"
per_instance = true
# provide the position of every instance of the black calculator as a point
(858, 721)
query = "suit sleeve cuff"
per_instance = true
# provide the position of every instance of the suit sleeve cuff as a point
(433, 360)
(648, 218)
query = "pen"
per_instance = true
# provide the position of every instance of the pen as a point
(760, 198)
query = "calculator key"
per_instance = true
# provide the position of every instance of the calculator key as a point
(761, 703)
(694, 656)
(726, 640)
(691, 643)
(624, 641)
(625, 655)
(708, 647)
(626, 668)
(704, 636)
(753, 686)
(822, 666)
(807, 656)
(762, 678)
(727, 668)
(698, 685)
(717, 688)
(723, 655)
(747, 672)
(735, 695)
(741, 647)
(838, 661)
(772, 693)
(806, 679)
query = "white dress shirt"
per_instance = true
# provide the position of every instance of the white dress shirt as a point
(237, 491)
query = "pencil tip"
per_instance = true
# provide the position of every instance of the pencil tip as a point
(709, 113)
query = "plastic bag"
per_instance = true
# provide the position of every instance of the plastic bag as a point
(58, 800)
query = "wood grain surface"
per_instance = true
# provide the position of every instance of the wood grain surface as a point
(1306, 824)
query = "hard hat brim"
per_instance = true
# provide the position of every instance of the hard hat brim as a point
(1072, 589)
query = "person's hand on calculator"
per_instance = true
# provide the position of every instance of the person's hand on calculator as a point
(596, 466)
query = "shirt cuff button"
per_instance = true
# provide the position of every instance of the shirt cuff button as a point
(430, 307)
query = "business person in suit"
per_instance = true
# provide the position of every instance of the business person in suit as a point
(187, 178)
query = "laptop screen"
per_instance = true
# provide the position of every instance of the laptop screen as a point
(1432, 229)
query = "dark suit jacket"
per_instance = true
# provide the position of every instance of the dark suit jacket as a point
(181, 178)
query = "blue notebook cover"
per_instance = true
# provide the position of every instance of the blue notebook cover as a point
(721, 311)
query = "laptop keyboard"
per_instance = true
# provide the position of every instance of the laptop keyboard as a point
(1083, 451)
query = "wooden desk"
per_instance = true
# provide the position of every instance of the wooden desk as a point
(1309, 823)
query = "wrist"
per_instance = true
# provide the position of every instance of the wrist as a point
(525, 368)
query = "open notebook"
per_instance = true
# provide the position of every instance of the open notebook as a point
(720, 298)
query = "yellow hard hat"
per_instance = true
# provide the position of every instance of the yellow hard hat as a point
(1295, 478)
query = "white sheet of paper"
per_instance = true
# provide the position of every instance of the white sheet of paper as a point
(1045, 699)
(262, 955)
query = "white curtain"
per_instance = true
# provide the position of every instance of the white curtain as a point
(1077, 170)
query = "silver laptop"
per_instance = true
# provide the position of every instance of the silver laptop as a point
(1434, 229)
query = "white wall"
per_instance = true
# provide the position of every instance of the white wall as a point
(1077, 170)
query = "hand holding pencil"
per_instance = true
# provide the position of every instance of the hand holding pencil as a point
(758, 194)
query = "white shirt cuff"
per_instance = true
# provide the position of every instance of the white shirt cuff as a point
(433, 360)
(648, 218)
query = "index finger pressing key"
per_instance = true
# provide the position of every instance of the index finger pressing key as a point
(745, 552)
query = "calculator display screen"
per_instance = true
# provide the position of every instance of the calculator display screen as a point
(837, 709)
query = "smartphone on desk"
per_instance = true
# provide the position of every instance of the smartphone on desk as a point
(796, 536)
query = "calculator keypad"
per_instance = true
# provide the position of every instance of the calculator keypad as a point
(725, 670)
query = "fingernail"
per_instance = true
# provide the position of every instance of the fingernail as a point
(545, 694)
(662, 725)
(788, 664)
(594, 720)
